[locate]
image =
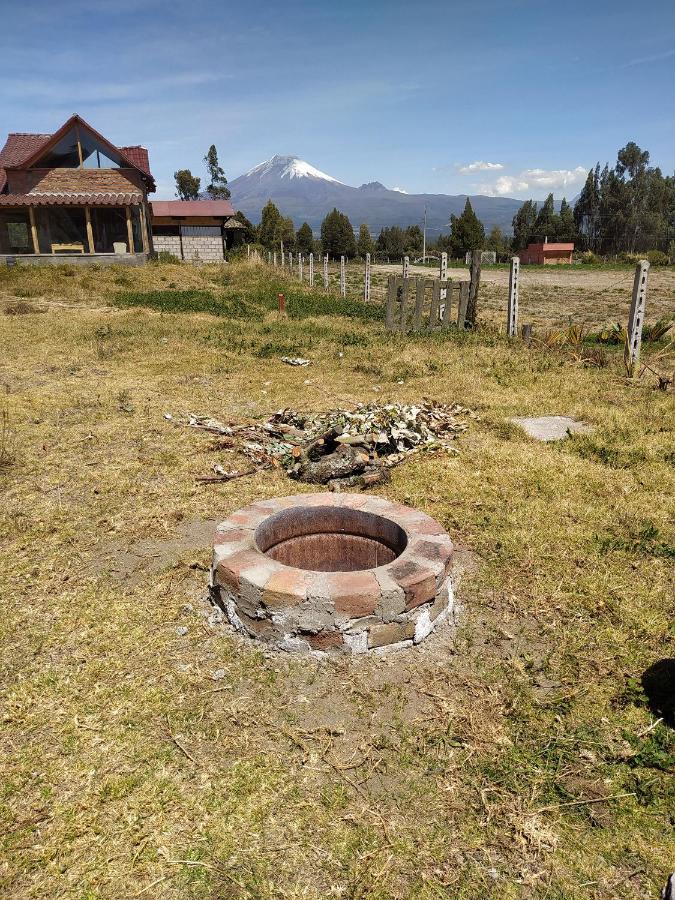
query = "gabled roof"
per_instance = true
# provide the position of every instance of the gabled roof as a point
(24, 150)
(212, 209)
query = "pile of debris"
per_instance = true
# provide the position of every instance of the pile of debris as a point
(341, 448)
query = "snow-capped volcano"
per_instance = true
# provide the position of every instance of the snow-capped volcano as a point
(307, 194)
(289, 167)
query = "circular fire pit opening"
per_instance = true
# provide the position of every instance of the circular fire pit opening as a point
(332, 572)
(330, 539)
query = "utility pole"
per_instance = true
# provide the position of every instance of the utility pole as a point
(424, 240)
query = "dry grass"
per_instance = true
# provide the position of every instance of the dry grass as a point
(137, 761)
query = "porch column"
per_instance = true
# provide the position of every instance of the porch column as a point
(130, 231)
(90, 230)
(144, 228)
(33, 230)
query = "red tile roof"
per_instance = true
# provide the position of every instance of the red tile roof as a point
(22, 148)
(209, 208)
(70, 199)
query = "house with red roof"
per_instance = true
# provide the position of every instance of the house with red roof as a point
(195, 230)
(74, 194)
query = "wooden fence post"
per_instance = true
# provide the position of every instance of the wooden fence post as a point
(311, 270)
(391, 300)
(472, 307)
(366, 279)
(447, 306)
(435, 303)
(343, 280)
(444, 273)
(406, 266)
(325, 271)
(419, 303)
(405, 292)
(512, 310)
(464, 288)
(636, 316)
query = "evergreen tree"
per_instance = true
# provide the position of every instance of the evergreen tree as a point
(546, 224)
(270, 226)
(187, 185)
(466, 231)
(392, 241)
(217, 188)
(523, 225)
(337, 235)
(567, 229)
(497, 241)
(365, 243)
(249, 235)
(414, 240)
(305, 239)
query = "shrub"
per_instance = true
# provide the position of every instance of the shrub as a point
(588, 258)
(657, 258)
(165, 257)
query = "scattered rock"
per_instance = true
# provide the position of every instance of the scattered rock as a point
(181, 631)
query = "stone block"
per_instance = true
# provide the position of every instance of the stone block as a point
(393, 633)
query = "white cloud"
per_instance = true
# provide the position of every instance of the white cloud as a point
(536, 181)
(478, 166)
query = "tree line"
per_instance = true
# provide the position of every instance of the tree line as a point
(626, 209)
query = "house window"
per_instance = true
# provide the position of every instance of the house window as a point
(65, 153)
(62, 229)
(15, 237)
(109, 224)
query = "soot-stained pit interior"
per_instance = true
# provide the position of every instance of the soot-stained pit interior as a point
(330, 539)
(320, 572)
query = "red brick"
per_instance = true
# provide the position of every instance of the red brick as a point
(287, 587)
(417, 581)
(354, 593)
(228, 571)
(324, 640)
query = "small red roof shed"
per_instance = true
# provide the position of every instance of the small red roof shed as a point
(547, 254)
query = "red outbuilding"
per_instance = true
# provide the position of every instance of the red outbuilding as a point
(547, 254)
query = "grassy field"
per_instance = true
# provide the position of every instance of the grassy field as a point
(147, 751)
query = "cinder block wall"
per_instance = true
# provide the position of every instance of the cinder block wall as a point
(195, 248)
(203, 248)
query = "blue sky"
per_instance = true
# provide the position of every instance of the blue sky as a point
(506, 98)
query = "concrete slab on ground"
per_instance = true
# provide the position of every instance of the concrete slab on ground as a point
(550, 428)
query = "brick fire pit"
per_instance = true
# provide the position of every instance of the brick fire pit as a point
(340, 572)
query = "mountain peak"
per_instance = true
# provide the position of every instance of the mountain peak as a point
(289, 167)
(373, 186)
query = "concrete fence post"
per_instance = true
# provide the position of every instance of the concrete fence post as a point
(325, 271)
(406, 266)
(636, 317)
(443, 274)
(269, 257)
(343, 280)
(311, 270)
(248, 251)
(274, 259)
(366, 280)
(512, 310)
(300, 266)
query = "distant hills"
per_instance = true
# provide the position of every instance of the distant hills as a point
(306, 195)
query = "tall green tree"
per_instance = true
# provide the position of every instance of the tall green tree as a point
(270, 225)
(414, 240)
(523, 225)
(337, 235)
(217, 188)
(497, 241)
(466, 231)
(391, 241)
(567, 229)
(187, 185)
(365, 243)
(547, 223)
(304, 239)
